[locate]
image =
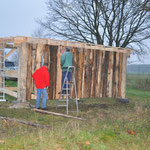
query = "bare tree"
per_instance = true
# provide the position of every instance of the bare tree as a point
(39, 32)
(120, 23)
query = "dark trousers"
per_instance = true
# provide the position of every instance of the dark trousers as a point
(63, 78)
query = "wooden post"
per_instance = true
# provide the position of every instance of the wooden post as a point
(80, 72)
(123, 84)
(22, 73)
(102, 73)
(47, 60)
(98, 76)
(59, 73)
(120, 74)
(29, 71)
(110, 75)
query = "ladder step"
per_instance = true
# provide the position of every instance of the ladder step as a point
(66, 89)
(64, 94)
(61, 105)
(62, 100)
(2, 100)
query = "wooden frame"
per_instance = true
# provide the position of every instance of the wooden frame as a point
(100, 70)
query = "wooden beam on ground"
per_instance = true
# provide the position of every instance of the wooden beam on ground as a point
(6, 56)
(25, 122)
(14, 94)
(57, 114)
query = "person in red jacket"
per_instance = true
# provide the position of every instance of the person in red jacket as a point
(41, 79)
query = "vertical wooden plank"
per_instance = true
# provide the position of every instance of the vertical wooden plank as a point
(29, 72)
(80, 72)
(83, 73)
(120, 74)
(87, 74)
(39, 53)
(123, 84)
(46, 55)
(105, 74)
(47, 60)
(53, 71)
(114, 70)
(90, 86)
(59, 73)
(74, 64)
(33, 69)
(22, 73)
(38, 61)
(116, 75)
(110, 75)
(93, 81)
(102, 73)
(98, 74)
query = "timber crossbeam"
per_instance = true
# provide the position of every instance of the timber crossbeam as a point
(18, 40)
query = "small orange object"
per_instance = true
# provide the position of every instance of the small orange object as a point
(87, 143)
(133, 132)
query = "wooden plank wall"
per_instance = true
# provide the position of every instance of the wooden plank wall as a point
(98, 73)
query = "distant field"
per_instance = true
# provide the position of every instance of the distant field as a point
(109, 125)
(138, 81)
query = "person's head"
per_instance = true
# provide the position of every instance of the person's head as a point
(46, 65)
(67, 49)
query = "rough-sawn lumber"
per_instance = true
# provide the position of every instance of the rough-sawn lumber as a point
(57, 114)
(25, 122)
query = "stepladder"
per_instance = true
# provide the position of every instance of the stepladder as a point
(68, 91)
(2, 74)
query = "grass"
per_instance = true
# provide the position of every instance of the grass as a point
(10, 83)
(107, 125)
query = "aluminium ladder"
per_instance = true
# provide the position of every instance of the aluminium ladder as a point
(65, 93)
(2, 75)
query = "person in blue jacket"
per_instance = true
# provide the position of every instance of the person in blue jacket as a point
(66, 61)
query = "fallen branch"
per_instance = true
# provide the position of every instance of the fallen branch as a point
(25, 122)
(57, 114)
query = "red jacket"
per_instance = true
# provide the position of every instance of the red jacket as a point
(41, 77)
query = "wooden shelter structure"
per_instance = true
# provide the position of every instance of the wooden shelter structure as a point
(100, 70)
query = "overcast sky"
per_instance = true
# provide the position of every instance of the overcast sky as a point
(17, 17)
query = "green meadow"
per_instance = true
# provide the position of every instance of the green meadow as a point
(109, 124)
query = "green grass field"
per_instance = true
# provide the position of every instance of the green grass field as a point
(109, 125)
